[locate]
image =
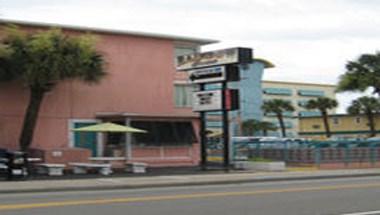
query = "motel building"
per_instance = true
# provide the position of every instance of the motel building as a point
(342, 126)
(142, 89)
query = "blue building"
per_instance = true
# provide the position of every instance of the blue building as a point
(250, 91)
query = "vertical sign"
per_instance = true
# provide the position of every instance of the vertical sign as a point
(218, 66)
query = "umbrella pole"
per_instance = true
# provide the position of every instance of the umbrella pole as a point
(100, 144)
(128, 141)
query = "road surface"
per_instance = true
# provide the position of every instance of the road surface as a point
(356, 196)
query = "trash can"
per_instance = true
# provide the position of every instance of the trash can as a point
(17, 165)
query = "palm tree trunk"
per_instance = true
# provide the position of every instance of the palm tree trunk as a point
(371, 124)
(281, 121)
(326, 123)
(30, 119)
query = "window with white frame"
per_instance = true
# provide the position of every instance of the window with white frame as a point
(183, 95)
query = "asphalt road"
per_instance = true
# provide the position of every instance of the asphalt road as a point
(359, 196)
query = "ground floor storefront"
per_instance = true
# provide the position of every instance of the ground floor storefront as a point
(168, 141)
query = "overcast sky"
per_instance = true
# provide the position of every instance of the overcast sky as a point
(307, 40)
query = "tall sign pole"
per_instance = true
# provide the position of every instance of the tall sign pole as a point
(221, 66)
(226, 132)
(203, 135)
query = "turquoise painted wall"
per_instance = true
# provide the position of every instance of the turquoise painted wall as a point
(250, 94)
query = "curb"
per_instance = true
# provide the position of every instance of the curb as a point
(179, 184)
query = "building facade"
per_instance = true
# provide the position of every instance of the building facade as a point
(342, 126)
(249, 87)
(137, 91)
(298, 94)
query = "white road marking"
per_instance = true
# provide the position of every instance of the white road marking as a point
(365, 213)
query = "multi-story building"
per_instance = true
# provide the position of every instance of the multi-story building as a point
(253, 92)
(249, 89)
(342, 126)
(137, 91)
(298, 94)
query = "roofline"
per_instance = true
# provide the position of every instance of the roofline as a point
(267, 63)
(298, 83)
(200, 41)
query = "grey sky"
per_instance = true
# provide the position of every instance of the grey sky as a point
(308, 41)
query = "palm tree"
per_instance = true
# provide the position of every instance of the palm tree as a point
(323, 104)
(250, 126)
(370, 107)
(40, 61)
(361, 74)
(278, 107)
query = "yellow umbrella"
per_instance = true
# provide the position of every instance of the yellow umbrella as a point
(109, 127)
(214, 133)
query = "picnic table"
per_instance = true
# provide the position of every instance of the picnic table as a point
(107, 159)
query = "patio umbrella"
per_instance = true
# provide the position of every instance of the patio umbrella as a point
(109, 127)
(214, 133)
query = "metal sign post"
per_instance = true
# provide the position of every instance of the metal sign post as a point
(215, 67)
(226, 136)
(203, 136)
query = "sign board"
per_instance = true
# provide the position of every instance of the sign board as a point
(232, 99)
(211, 100)
(207, 100)
(214, 74)
(214, 58)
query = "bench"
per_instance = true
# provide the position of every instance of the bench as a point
(136, 167)
(82, 168)
(51, 169)
(3, 166)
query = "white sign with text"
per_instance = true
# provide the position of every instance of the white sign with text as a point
(207, 100)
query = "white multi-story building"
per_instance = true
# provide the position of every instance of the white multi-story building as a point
(298, 94)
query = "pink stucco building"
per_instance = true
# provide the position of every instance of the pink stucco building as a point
(142, 89)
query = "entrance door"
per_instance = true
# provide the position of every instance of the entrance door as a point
(87, 140)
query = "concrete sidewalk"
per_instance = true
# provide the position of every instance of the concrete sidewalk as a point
(174, 180)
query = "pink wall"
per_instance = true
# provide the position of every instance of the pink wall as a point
(140, 80)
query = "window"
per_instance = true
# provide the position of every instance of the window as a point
(183, 95)
(179, 51)
(316, 93)
(335, 121)
(302, 103)
(287, 124)
(316, 126)
(358, 120)
(164, 133)
(115, 143)
(278, 91)
(290, 134)
(286, 114)
(309, 113)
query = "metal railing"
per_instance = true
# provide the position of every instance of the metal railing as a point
(311, 152)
